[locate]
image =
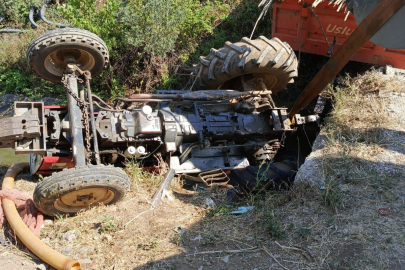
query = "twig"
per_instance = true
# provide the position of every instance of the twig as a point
(271, 255)
(242, 243)
(284, 247)
(266, 5)
(308, 251)
(196, 78)
(301, 249)
(137, 216)
(224, 251)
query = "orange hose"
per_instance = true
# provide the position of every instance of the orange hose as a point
(33, 243)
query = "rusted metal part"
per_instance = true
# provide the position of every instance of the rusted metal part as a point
(211, 178)
(75, 121)
(371, 24)
(24, 131)
(54, 163)
(17, 128)
(206, 95)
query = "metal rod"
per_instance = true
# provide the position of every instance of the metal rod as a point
(93, 121)
(158, 196)
(205, 95)
(366, 29)
(75, 125)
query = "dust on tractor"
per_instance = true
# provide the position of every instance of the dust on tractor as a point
(202, 134)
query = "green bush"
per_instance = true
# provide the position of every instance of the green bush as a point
(16, 12)
(149, 40)
(15, 75)
(101, 19)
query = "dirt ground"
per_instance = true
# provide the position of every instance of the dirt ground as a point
(329, 220)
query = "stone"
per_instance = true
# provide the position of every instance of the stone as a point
(67, 250)
(108, 237)
(210, 202)
(41, 267)
(70, 235)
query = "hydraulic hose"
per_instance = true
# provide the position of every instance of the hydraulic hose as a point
(10, 31)
(42, 16)
(31, 17)
(39, 248)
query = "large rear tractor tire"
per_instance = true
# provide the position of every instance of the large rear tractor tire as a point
(71, 190)
(47, 53)
(238, 66)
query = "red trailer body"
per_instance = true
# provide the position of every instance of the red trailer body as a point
(294, 23)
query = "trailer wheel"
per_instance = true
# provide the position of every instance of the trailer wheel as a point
(238, 65)
(72, 190)
(46, 53)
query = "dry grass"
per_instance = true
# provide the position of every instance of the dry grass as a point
(328, 220)
(358, 167)
(14, 47)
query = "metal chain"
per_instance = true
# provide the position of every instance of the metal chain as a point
(84, 107)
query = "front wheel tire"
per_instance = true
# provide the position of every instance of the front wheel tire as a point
(69, 191)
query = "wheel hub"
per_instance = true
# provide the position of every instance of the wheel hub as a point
(83, 198)
(55, 62)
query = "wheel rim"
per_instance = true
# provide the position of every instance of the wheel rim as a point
(270, 81)
(83, 198)
(55, 63)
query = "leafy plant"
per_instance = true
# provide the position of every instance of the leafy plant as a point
(304, 232)
(270, 221)
(108, 225)
(333, 194)
(16, 12)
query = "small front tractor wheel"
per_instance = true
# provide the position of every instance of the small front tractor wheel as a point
(48, 53)
(72, 190)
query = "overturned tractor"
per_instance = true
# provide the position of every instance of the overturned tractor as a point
(204, 134)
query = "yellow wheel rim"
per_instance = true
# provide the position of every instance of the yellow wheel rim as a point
(83, 198)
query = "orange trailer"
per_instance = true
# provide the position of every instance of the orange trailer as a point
(296, 24)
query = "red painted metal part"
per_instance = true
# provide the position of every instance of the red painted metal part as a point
(53, 164)
(293, 21)
(50, 107)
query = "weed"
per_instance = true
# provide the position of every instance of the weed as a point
(218, 211)
(209, 239)
(177, 239)
(304, 232)
(140, 177)
(60, 217)
(333, 195)
(108, 225)
(270, 220)
(154, 242)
